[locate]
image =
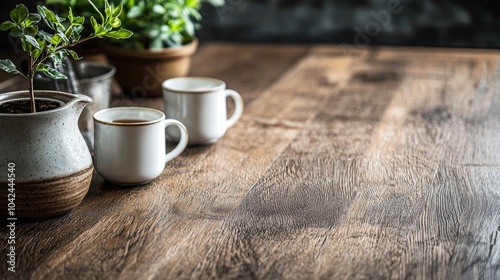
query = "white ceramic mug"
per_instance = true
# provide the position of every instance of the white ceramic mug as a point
(200, 104)
(129, 144)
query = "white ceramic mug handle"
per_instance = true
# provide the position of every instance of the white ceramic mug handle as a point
(238, 107)
(182, 142)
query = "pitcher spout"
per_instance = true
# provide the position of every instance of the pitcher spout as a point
(82, 98)
(79, 102)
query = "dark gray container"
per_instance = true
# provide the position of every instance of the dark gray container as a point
(94, 80)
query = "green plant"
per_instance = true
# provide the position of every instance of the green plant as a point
(155, 23)
(83, 8)
(64, 33)
(161, 23)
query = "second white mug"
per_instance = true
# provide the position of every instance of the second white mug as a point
(200, 104)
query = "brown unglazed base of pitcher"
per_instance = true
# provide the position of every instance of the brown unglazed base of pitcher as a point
(44, 198)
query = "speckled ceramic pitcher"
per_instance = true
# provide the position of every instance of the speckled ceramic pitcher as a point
(48, 155)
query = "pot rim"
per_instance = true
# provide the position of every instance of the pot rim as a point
(111, 71)
(67, 98)
(170, 52)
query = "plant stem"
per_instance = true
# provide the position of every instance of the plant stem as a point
(75, 43)
(31, 74)
(34, 64)
(97, 10)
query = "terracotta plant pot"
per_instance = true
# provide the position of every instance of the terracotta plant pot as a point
(47, 154)
(141, 72)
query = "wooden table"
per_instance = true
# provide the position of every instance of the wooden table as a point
(382, 164)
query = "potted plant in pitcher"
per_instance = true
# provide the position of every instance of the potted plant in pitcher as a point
(47, 167)
(161, 46)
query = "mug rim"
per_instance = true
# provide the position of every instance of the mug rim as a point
(221, 85)
(132, 108)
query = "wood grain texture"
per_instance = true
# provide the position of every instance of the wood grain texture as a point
(383, 164)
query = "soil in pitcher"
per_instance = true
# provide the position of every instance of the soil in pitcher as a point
(23, 106)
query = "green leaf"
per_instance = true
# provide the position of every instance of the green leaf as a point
(50, 72)
(176, 25)
(189, 27)
(159, 9)
(31, 30)
(115, 22)
(51, 17)
(31, 40)
(165, 29)
(78, 20)
(216, 2)
(68, 31)
(194, 13)
(35, 53)
(119, 34)
(70, 15)
(56, 40)
(99, 30)
(108, 9)
(33, 19)
(75, 35)
(117, 11)
(94, 23)
(19, 13)
(6, 25)
(156, 44)
(45, 36)
(58, 57)
(193, 3)
(16, 32)
(73, 54)
(9, 67)
(175, 40)
(38, 52)
(41, 11)
(107, 27)
(63, 36)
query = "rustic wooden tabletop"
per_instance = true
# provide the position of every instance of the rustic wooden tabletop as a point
(378, 164)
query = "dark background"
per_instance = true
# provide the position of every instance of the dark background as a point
(462, 23)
